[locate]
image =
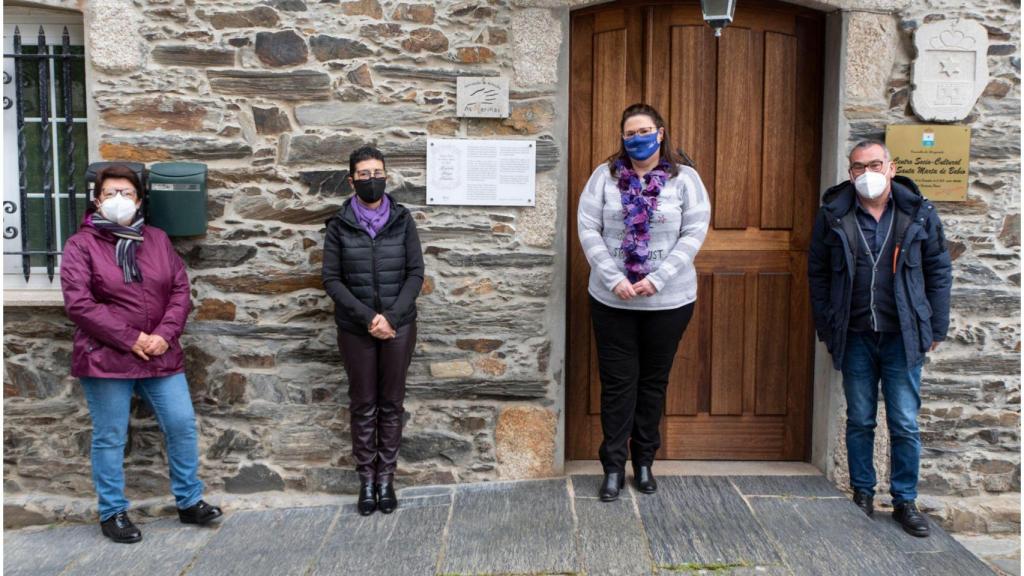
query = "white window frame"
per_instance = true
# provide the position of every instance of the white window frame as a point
(38, 290)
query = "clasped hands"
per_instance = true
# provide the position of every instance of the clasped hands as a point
(626, 290)
(149, 345)
(380, 328)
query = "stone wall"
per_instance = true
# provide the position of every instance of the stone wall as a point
(273, 96)
(970, 414)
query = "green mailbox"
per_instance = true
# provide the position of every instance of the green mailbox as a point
(177, 198)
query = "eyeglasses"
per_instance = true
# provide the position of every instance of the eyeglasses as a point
(367, 174)
(128, 193)
(874, 166)
(630, 134)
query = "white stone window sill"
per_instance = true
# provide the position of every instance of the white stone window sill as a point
(33, 297)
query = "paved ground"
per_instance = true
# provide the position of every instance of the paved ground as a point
(735, 525)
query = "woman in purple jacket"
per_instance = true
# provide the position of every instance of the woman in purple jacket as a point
(126, 290)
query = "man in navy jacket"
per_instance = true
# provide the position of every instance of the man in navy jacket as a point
(880, 280)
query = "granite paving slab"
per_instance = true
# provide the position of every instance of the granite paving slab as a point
(702, 521)
(48, 551)
(422, 491)
(511, 528)
(828, 537)
(801, 486)
(279, 542)
(405, 542)
(611, 538)
(948, 564)
(168, 546)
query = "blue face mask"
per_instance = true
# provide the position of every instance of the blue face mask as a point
(642, 147)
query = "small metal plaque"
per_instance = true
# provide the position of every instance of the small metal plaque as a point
(936, 157)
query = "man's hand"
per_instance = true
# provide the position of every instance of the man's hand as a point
(139, 348)
(934, 346)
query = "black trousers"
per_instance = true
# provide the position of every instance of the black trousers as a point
(635, 350)
(376, 391)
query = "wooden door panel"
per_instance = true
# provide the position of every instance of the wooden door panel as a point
(779, 126)
(727, 336)
(746, 108)
(773, 291)
(737, 115)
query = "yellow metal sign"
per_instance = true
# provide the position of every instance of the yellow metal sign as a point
(936, 157)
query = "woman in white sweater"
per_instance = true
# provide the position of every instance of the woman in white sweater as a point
(642, 218)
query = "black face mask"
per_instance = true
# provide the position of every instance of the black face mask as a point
(371, 189)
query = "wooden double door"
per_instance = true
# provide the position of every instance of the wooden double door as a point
(746, 107)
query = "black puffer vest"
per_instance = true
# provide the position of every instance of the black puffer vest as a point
(369, 276)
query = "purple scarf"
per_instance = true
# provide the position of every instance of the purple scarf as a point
(639, 202)
(372, 219)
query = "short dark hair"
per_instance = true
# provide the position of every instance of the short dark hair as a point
(364, 153)
(868, 143)
(114, 171)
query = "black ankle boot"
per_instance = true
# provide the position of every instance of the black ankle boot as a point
(201, 513)
(613, 482)
(388, 500)
(913, 522)
(644, 478)
(367, 502)
(120, 528)
(864, 501)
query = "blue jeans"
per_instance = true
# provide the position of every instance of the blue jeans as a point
(109, 405)
(870, 357)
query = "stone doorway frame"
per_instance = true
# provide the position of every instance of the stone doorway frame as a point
(827, 396)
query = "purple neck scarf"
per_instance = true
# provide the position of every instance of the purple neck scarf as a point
(639, 202)
(372, 219)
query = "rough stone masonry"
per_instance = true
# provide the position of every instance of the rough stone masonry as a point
(273, 95)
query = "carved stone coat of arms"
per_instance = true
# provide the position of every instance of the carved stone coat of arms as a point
(950, 71)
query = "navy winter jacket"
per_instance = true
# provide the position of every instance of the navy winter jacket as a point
(923, 269)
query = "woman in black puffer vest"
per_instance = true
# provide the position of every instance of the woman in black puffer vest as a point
(373, 270)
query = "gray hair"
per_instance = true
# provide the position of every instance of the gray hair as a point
(868, 143)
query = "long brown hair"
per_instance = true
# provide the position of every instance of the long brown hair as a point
(113, 171)
(674, 156)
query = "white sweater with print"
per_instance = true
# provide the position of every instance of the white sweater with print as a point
(678, 228)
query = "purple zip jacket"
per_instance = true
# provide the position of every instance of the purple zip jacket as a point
(110, 314)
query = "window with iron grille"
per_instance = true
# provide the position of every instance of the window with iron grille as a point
(46, 145)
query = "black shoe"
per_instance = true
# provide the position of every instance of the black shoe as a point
(119, 528)
(388, 501)
(644, 478)
(613, 482)
(864, 501)
(913, 522)
(367, 502)
(201, 513)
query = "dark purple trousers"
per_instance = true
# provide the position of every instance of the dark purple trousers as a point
(376, 390)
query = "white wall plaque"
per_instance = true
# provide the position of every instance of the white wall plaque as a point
(481, 172)
(951, 69)
(481, 97)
